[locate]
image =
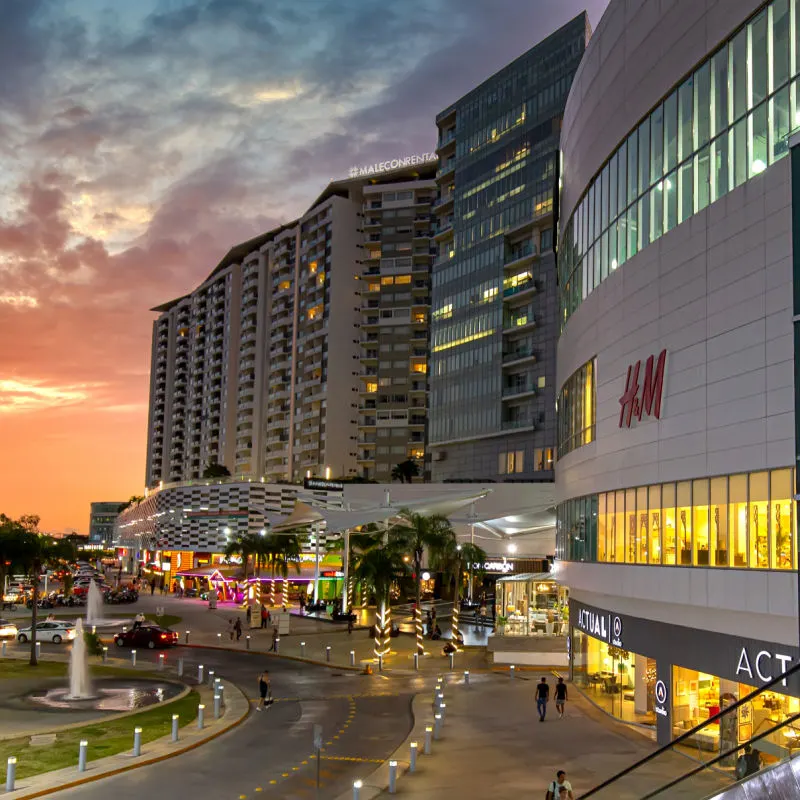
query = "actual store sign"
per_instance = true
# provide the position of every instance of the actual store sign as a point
(638, 400)
(765, 665)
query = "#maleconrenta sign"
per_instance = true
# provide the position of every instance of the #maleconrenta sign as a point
(394, 163)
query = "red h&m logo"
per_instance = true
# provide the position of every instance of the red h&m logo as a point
(635, 403)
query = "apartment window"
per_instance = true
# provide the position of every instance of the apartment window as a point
(511, 463)
(541, 382)
(387, 280)
(543, 459)
(402, 279)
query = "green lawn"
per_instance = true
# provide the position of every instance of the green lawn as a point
(17, 668)
(167, 621)
(105, 738)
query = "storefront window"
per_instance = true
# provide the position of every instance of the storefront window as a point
(684, 512)
(745, 520)
(532, 605)
(620, 682)
(700, 522)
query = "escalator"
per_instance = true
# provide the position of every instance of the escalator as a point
(703, 762)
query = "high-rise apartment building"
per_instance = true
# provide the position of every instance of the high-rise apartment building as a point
(101, 521)
(495, 305)
(259, 369)
(395, 302)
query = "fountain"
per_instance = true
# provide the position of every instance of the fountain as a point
(94, 605)
(80, 687)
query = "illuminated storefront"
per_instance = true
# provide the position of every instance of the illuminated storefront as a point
(674, 677)
(532, 604)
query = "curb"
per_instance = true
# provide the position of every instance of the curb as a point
(270, 654)
(20, 795)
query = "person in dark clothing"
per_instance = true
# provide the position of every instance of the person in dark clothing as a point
(264, 616)
(561, 697)
(152, 587)
(263, 690)
(274, 648)
(349, 625)
(238, 628)
(542, 696)
(748, 763)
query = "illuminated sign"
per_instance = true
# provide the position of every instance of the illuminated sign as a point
(638, 400)
(323, 485)
(493, 566)
(395, 163)
(594, 623)
(764, 660)
(661, 699)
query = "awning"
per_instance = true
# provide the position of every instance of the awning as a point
(525, 577)
(226, 573)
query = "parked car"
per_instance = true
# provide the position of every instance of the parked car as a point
(7, 629)
(55, 632)
(151, 636)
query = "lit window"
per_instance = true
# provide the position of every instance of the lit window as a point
(421, 368)
(445, 312)
(312, 267)
(315, 312)
(371, 387)
(387, 281)
(320, 279)
(490, 294)
(373, 287)
(284, 285)
(419, 317)
(403, 279)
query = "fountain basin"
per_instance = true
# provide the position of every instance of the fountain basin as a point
(108, 695)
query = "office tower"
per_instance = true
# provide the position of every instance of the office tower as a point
(494, 321)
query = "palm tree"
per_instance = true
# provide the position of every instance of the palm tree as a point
(215, 470)
(378, 568)
(37, 553)
(451, 560)
(418, 533)
(245, 545)
(405, 471)
(282, 550)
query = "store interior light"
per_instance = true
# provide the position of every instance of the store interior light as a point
(512, 548)
(426, 576)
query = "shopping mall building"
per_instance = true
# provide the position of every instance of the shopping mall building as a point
(675, 479)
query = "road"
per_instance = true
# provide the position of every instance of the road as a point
(364, 719)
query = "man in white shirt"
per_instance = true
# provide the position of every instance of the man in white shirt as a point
(557, 788)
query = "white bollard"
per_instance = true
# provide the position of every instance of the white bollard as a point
(416, 662)
(219, 638)
(200, 715)
(303, 649)
(392, 777)
(160, 662)
(105, 654)
(4, 649)
(442, 708)
(82, 747)
(427, 747)
(180, 666)
(137, 742)
(452, 658)
(133, 658)
(466, 677)
(357, 789)
(437, 726)
(211, 679)
(11, 773)
(186, 636)
(352, 658)
(277, 644)
(221, 690)
(412, 761)
(216, 706)
(380, 663)
(38, 649)
(328, 653)
(511, 671)
(247, 642)
(200, 673)
(174, 727)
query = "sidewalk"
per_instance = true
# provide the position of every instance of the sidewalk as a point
(493, 745)
(210, 629)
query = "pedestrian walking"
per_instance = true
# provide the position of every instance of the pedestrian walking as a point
(231, 629)
(264, 691)
(264, 616)
(561, 697)
(152, 587)
(350, 624)
(542, 696)
(237, 626)
(560, 788)
(249, 615)
(274, 648)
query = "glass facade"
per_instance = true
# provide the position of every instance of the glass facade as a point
(492, 336)
(576, 409)
(722, 125)
(532, 605)
(744, 520)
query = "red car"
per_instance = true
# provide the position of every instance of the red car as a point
(147, 636)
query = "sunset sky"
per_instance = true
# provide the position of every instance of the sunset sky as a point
(140, 140)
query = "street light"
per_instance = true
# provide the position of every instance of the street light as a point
(512, 548)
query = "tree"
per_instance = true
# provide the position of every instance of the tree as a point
(133, 500)
(405, 471)
(39, 552)
(362, 539)
(215, 470)
(451, 560)
(416, 534)
(246, 545)
(378, 568)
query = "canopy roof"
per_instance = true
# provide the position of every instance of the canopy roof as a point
(524, 577)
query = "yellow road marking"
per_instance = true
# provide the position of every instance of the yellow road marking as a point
(285, 775)
(258, 789)
(273, 782)
(304, 762)
(353, 758)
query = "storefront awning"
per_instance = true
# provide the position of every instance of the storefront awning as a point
(525, 577)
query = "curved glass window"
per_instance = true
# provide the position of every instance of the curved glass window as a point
(576, 406)
(744, 521)
(727, 122)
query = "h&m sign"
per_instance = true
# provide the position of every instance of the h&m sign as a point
(645, 398)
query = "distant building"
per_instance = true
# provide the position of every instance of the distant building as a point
(101, 521)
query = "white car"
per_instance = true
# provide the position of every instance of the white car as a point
(55, 632)
(7, 629)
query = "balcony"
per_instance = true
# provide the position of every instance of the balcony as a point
(519, 255)
(442, 202)
(446, 140)
(518, 322)
(522, 423)
(518, 388)
(519, 287)
(518, 355)
(447, 170)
